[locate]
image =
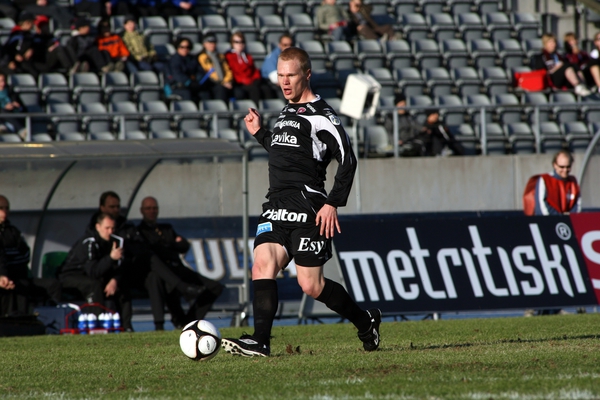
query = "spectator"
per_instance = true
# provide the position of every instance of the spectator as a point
(9, 103)
(220, 78)
(113, 45)
(269, 66)
(557, 193)
(93, 267)
(143, 56)
(579, 59)
(145, 8)
(17, 289)
(17, 52)
(142, 268)
(408, 130)
(100, 8)
(333, 19)
(247, 78)
(84, 45)
(437, 139)
(183, 73)
(168, 246)
(595, 62)
(48, 54)
(179, 7)
(364, 25)
(61, 15)
(560, 70)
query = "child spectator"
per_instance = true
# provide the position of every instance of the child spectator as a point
(247, 78)
(220, 81)
(84, 46)
(113, 45)
(560, 70)
(143, 56)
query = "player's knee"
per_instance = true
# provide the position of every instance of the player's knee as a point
(311, 288)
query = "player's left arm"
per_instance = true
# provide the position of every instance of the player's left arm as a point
(338, 143)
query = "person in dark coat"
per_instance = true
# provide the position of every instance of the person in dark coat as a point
(169, 246)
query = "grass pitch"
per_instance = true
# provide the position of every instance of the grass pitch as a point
(552, 357)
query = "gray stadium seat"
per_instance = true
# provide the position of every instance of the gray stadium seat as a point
(482, 52)
(454, 53)
(520, 137)
(398, 54)
(508, 109)
(409, 81)
(413, 26)
(566, 108)
(470, 26)
(369, 53)
(498, 25)
(438, 81)
(426, 53)
(466, 80)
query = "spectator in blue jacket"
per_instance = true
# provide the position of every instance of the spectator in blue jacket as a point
(184, 75)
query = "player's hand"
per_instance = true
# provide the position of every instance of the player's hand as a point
(116, 252)
(328, 220)
(6, 283)
(253, 121)
(111, 287)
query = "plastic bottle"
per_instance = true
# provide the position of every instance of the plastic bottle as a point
(82, 324)
(92, 321)
(106, 320)
(116, 319)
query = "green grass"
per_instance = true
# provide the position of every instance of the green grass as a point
(551, 357)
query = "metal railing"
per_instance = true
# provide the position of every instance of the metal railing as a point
(211, 119)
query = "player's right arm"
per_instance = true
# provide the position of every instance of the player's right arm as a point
(253, 122)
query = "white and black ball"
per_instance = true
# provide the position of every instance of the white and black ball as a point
(200, 340)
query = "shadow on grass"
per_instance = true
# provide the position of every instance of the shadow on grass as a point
(502, 341)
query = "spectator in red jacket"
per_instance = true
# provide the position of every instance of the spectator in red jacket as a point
(247, 78)
(113, 45)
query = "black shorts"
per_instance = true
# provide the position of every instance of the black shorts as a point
(290, 221)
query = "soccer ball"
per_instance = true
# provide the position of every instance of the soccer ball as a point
(200, 340)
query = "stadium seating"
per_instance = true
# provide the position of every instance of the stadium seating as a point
(458, 55)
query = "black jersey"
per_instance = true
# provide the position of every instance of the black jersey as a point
(305, 138)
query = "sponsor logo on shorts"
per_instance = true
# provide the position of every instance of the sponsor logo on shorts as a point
(285, 215)
(264, 227)
(311, 245)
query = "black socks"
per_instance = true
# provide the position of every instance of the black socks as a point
(336, 298)
(265, 303)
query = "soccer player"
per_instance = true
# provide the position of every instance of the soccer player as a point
(300, 218)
